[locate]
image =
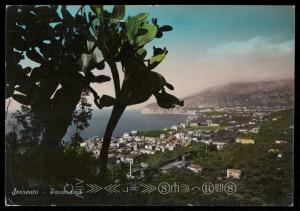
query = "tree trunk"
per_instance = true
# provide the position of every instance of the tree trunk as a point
(60, 118)
(112, 123)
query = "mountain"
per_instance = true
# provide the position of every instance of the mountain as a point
(279, 92)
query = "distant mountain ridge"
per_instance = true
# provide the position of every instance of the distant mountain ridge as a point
(280, 92)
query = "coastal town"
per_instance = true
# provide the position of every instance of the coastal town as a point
(213, 127)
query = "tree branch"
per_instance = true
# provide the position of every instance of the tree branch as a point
(113, 67)
(96, 96)
(115, 75)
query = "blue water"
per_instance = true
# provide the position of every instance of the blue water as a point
(130, 120)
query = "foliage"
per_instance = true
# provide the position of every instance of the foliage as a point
(65, 49)
(152, 133)
(123, 41)
(162, 158)
(57, 45)
(265, 179)
(29, 129)
(63, 166)
(119, 173)
(82, 114)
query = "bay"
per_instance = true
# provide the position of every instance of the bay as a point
(130, 120)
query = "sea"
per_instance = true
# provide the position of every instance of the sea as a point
(130, 120)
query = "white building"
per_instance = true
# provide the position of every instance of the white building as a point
(134, 132)
(147, 151)
(213, 124)
(208, 142)
(177, 135)
(125, 135)
(190, 132)
(135, 147)
(234, 173)
(280, 142)
(195, 168)
(182, 125)
(243, 130)
(170, 148)
(219, 145)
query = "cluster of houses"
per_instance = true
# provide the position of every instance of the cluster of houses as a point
(218, 127)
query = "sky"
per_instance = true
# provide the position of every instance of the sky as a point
(215, 45)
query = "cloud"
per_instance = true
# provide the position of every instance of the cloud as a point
(255, 45)
(259, 58)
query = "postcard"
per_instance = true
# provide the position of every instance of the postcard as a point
(149, 105)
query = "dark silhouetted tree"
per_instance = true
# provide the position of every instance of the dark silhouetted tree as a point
(65, 49)
(54, 87)
(123, 41)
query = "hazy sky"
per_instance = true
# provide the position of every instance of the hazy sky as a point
(214, 45)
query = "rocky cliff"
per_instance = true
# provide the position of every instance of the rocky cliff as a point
(280, 92)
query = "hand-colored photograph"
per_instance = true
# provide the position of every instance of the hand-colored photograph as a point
(149, 105)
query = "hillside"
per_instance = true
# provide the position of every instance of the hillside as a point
(279, 92)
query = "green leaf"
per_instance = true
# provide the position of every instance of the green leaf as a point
(21, 44)
(142, 52)
(27, 70)
(25, 88)
(100, 65)
(97, 9)
(167, 101)
(35, 74)
(21, 99)
(27, 18)
(35, 56)
(42, 11)
(142, 16)
(155, 60)
(159, 34)
(118, 12)
(100, 79)
(59, 29)
(67, 17)
(17, 56)
(53, 7)
(42, 31)
(107, 100)
(132, 26)
(149, 36)
(165, 28)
